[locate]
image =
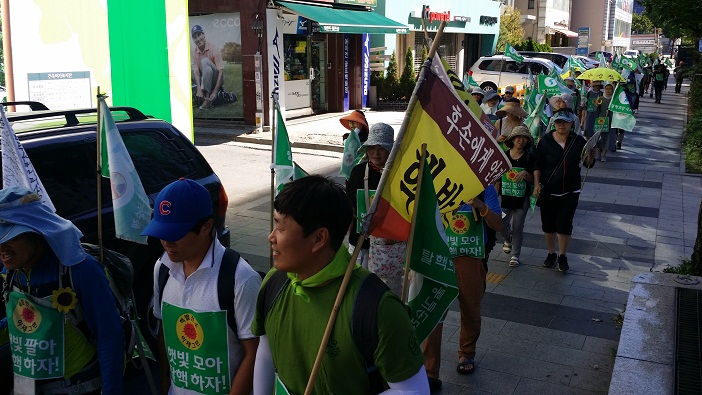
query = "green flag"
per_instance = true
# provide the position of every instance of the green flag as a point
(512, 53)
(469, 83)
(351, 157)
(534, 120)
(299, 172)
(282, 152)
(601, 58)
(575, 63)
(132, 210)
(628, 64)
(622, 116)
(434, 284)
(551, 85)
(668, 63)
(616, 62)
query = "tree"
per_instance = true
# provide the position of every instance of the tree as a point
(407, 79)
(678, 18)
(510, 28)
(640, 24)
(391, 84)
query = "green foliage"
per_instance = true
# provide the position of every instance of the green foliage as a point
(2, 63)
(640, 24)
(391, 84)
(231, 52)
(685, 267)
(425, 53)
(510, 28)
(692, 140)
(531, 45)
(678, 18)
(377, 78)
(407, 79)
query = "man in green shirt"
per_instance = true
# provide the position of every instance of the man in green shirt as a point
(312, 216)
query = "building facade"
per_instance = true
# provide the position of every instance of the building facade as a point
(471, 29)
(609, 22)
(546, 21)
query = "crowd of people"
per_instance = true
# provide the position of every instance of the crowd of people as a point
(263, 335)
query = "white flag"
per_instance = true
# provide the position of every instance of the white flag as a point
(17, 169)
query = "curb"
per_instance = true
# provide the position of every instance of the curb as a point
(265, 141)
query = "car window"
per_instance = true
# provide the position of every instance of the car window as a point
(159, 160)
(538, 68)
(490, 65)
(514, 67)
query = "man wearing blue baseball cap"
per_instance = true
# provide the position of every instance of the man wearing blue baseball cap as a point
(207, 68)
(204, 295)
(64, 330)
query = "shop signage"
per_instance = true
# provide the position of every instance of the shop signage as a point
(346, 72)
(583, 41)
(366, 69)
(427, 13)
(369, 3)
(488, 20)
(643, 42)
(458, 18)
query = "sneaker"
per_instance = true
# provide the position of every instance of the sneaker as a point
(507, 247)
(231, 96)
(603, 159)
(563, 263)
(434, 384)
(550, 260)
(514, 262)
(619, 145)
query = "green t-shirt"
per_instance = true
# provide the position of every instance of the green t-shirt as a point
(295, 329)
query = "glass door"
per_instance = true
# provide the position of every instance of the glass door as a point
(318, 78)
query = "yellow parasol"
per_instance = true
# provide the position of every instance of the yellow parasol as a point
(601, 74)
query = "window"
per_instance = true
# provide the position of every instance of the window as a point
(530, 5)
(514, 67)
(296, 67)
(490, 65)
(538, 68)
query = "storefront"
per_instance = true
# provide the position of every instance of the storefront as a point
(318, 54)
(471, 29)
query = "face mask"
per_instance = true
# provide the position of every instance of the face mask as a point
(357, 130)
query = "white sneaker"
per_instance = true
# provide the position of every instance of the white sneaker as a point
(507, 247)
(514, 262)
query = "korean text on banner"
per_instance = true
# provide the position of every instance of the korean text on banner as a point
(132, 210)
(434, 285)
(17, 169)
(463, 157)
(622, 115)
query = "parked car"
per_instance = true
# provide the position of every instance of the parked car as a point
(62, 148)
(631, 53)
(557, 58)
(608, 55)
(499, 70)
(588, 62)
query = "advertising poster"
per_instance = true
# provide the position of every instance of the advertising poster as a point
(215, 62)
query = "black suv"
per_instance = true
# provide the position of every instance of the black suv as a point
(62, 148)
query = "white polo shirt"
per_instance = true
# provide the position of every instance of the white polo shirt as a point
(198, 292)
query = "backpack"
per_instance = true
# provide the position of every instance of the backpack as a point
(225, 288)
(364, 321)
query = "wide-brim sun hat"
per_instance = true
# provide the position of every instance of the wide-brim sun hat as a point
(564, 115)
(380, 134)
(566, 97)
(356, 116)
(9, 231)
(477, 91)
(512, 108)
(519, 131)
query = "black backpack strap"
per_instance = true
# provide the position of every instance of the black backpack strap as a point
(226, 283)
(270, 291)
(364, 326)
(163, 273)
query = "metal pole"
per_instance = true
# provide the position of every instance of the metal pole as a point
(7, 53)
(98, 141)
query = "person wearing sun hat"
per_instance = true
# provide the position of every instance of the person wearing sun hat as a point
(593, 99)
(355, 122)
(186, 281)
(489, 105)
(478, 95)
(364, 179)
(509, 94)
(511, 115)
(515, 189)
(557, 183)
(47, 271)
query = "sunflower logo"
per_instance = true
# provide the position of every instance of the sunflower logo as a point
(460, 224)
(600, 120)
(63, 299)
(26, 316)
(189, 331)
(511, 175)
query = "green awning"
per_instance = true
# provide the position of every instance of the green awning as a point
(332, 20)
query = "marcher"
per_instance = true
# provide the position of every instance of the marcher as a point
(570, 83)
(606, 142)
(659, 82)
(679, 76)
(511, 115)
(194, 259)
(355, 122)
(383, 257)
(591, 108)
(478, 95)
(557, 184)
(207, 69)
(80, 323)
(312, 216)
(471, 274)
(515, 196)
(489, 105)
(509, 94)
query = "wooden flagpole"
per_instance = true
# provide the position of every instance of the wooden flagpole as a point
(274, 132)
(359, 244)
(410, 239)
(98, 141)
